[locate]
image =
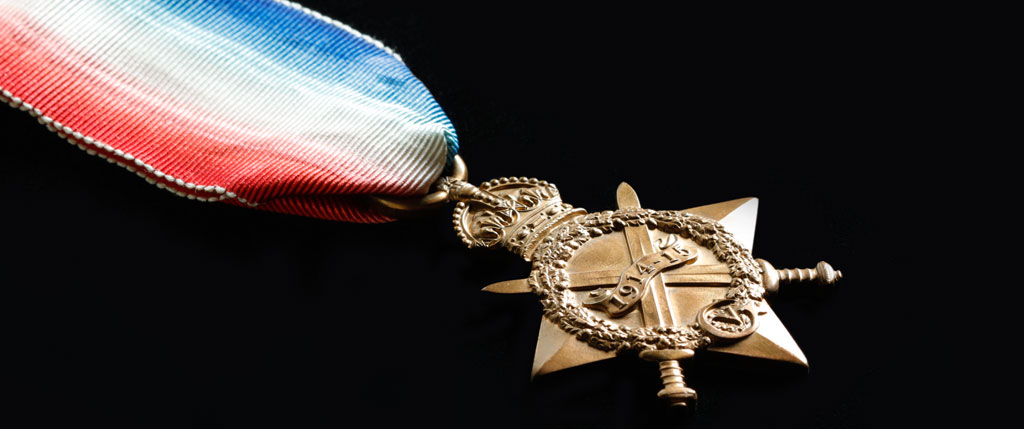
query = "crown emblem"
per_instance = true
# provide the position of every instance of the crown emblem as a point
(511, 212)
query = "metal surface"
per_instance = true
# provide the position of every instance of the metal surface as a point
(822, 274)
(660, 284)
(675, 392)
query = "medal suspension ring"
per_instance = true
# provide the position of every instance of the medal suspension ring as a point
(550, 280)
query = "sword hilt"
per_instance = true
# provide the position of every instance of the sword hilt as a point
(821, 274)
(675, 391)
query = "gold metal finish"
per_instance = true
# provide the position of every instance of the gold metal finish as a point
(822, 274)
(660, 283)
(675, 392)
(728, 319)
(429, 201)
(635, 281)
(512, 212)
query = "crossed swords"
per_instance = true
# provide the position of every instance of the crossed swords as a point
(645, 283)
(654, 303)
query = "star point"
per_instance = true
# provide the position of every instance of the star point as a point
(558, 350)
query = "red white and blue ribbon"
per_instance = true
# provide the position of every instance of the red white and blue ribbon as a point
(259, 103)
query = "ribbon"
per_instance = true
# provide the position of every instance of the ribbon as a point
(258, 103)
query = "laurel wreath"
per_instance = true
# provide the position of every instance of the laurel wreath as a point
(550, 280)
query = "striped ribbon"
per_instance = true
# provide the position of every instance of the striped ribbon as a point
(258, 103)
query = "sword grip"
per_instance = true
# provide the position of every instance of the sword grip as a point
(821, 274)
(675, 391)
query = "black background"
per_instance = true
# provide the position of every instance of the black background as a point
(129, 306)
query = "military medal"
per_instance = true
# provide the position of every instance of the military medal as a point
(656, 284)
(269, 105)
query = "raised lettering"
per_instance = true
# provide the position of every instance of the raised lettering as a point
(618, 302)
(644, 268)
(671, 258)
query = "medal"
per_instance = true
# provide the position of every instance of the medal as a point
(651, 284)
(660, 284)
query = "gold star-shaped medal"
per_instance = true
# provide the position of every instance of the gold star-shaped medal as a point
(660, 283)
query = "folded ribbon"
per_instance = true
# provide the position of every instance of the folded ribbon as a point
(259, 103)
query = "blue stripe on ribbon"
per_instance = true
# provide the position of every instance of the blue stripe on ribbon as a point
(298, 41)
